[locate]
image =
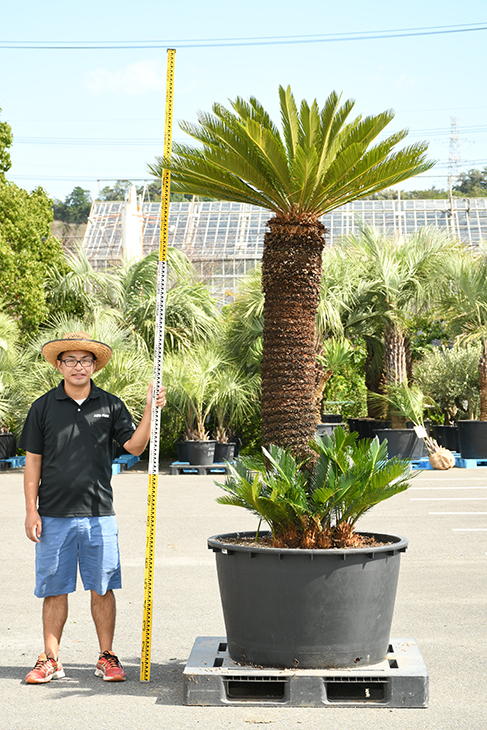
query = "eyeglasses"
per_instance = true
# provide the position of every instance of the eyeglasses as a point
(85, 362)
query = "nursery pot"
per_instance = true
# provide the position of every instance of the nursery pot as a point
(183, 451)
(199, 453)
(309, 609)
(365, 427)
(327, 429)
(224, 452)
(7, 445)
(331, 418)
(447, 436)
(401, 442)
(472, 437)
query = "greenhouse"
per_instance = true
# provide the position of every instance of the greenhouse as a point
(224, 240)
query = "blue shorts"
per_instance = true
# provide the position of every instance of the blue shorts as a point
(65, 542)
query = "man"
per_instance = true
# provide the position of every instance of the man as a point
(68, 438)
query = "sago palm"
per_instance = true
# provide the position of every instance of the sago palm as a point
(320, 161)
(319, 508)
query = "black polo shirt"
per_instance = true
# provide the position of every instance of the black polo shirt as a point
(76, 444)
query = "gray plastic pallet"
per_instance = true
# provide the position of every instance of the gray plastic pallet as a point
(212, 678)
(183, 467)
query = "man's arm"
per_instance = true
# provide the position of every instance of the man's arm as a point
(32, 477)
(137, 443)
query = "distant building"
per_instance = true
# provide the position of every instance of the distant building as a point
(224, 240)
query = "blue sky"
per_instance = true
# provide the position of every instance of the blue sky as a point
(79, 116)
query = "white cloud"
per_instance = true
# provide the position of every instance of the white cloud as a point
(137, 78)
(405, 82)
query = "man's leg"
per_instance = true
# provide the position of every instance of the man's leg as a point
(54, 615)
(103, 610)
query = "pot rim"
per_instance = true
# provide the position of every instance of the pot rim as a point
(217, 544)
(197, 441)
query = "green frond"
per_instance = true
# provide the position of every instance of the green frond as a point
(289, 120)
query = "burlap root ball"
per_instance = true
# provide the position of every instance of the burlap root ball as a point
(442, 459)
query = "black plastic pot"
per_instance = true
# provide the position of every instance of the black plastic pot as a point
(197, 453)
(365, 427)
(472, 438)
(447, 436)
(326, 429)
(8, 446)
(310, 609)
(331, 418)
(401, 442)
(183, 452)
(224, 452)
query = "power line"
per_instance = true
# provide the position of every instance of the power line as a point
(244, 41)
(149, 141)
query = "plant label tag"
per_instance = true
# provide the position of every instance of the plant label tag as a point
(420, 432)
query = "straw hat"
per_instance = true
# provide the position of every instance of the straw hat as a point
(77, 341)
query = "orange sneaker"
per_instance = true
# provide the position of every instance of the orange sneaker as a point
(45, 670)
(109, 668)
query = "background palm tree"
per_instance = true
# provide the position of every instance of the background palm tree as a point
(9, 339)
(320, 162)
(191, 312)
(130, 293)
(401, 277)
(466, 307)
(127, 374)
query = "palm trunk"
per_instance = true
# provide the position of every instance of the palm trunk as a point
(395, 364)
(483, 383)
(375, 380)
(291, 277)
(395, 356)
(322, 377)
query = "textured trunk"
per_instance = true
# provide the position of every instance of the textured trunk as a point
(375, 381)
(395, 361)
(291, 276)
(322, 377)
(483, 383)
(395, 356)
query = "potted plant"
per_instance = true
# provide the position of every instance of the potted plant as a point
(189, 379)
(408, 403)
(466, 311)
(234, 392)
(316, 593)
(450, 376)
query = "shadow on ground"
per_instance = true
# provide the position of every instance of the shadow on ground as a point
(165, 682)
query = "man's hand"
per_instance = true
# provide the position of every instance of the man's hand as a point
(33, 526)
(140, 438)
(160, 399)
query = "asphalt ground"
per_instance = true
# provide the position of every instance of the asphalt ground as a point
(441, 603)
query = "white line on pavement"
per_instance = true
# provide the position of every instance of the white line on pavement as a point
(457, 513)
(456, 489)
(448, 499)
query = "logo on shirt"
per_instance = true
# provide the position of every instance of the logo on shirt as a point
(101, 415)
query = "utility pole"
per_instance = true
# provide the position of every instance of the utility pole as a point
(453, 166)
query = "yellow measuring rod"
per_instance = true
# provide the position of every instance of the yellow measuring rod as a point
(157, 382)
